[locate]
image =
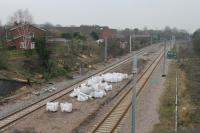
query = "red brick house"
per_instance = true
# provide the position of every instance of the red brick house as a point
(20, 36)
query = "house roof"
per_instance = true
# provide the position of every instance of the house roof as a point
(24, 25)
(14, 38)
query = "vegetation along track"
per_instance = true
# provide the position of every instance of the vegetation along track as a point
(111, 120)
(9, 119)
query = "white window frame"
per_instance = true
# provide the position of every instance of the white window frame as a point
(32, 45)
(22, 45)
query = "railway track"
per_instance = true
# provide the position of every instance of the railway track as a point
(112, 120)
(12, 117)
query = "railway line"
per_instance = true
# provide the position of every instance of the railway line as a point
(113, 119)
(13, 117)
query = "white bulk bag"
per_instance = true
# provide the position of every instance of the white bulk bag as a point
(52, 106)
(105, 86)
(99, 94)
(82, 97)
(86, 90)
(75, 92)
(66, 107)
(94, 80)
(114, 77)
(108, 87)
(95, 87)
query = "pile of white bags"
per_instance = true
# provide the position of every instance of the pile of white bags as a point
(85, 91)
(52, 106)
(97, 86)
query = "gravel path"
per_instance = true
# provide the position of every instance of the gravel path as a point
(148, 104)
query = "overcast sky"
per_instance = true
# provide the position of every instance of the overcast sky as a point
(156, 14)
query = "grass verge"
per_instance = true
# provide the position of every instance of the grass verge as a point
(167, 103)
(188, 95)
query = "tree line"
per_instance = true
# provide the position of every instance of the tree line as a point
(196, 41)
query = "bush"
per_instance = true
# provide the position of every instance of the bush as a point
(114, 48)
(54, 71)
(3, 59)
(79, 36)
(28, 52)
(43, 53)
(94, 35)
(67, 36)
(196, 41)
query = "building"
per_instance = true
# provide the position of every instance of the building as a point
(20, 36)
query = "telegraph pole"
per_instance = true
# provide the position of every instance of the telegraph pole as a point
(130, 41)
(106, 33)
(6, 33)
(151, 40)
(176, 104)
(134, 79)
(173, 40)
(106, 44)
(164, 59)
(171, 45)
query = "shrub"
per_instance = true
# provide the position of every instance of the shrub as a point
(28, 52)
(94, 35)
(3, 59)
(43, 53)
(196, 41)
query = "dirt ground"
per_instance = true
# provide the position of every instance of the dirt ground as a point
(42, 121)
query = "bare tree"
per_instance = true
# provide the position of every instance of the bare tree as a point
(21, 17)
